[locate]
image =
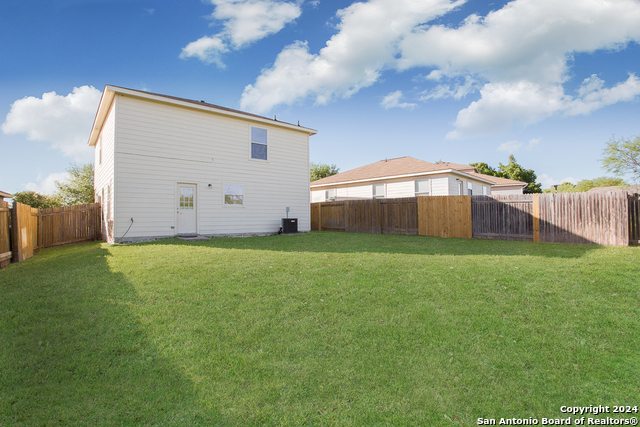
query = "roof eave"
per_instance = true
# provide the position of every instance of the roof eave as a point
(206, 107)
(452, 171)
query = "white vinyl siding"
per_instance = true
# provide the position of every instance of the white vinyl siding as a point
(396, 189)
(317, 196)
(104, 168)
(160, 145)
(354, 193)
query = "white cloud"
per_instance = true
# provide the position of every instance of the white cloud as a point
(207, 49)
(63, 121)
(456, 90)
(510, 146)
(366, 44)
(47, 185)
(592, 94)
(513, 147)
(244, 22)
(521, 53)
(393, 101)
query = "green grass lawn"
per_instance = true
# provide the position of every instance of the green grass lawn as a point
(317, 329)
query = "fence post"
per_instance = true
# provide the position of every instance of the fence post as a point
(536, 218)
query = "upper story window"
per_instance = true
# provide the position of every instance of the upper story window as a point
(258, 143)
(423, 187)
(378, 191)
(330, 195)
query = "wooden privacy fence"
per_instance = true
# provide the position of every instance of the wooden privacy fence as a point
(70, 224)
(5, 237)
(375, 216)
(599, 218)
(24, 229)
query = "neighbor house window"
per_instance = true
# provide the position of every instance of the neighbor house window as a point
(258, 143)
(422, 187)
(233, 195)
(460, 187)
(470, 188)
(378, 191)
(485, 190)
(330, 194)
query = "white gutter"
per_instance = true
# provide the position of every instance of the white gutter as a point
(452, 171)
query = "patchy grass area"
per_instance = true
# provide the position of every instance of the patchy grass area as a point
(317, 329)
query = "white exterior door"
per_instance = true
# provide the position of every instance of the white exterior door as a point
(186, 208)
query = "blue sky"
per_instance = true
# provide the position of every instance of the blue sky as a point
(452, 80)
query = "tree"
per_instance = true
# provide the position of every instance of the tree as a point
(587, 184)
(512, 170)
(37, 200)
(622, 156)
(320, 170)
(78, 189)
(485, 169)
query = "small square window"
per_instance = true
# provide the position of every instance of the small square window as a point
(233, 195)
(378, 191)
(422, 187)
(258, 143)
(330, 195)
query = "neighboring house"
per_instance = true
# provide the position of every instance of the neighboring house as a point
(409, 177)
(630, 188)
(167, 166)
(4, 195)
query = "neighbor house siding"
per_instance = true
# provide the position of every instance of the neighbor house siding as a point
(161, 145)
(401, 188)
(441, 185)
(357, 191)
(507, 190)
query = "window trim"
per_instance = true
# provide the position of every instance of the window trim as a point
(265, 144)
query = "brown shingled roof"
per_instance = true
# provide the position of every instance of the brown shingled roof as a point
(406, 166)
